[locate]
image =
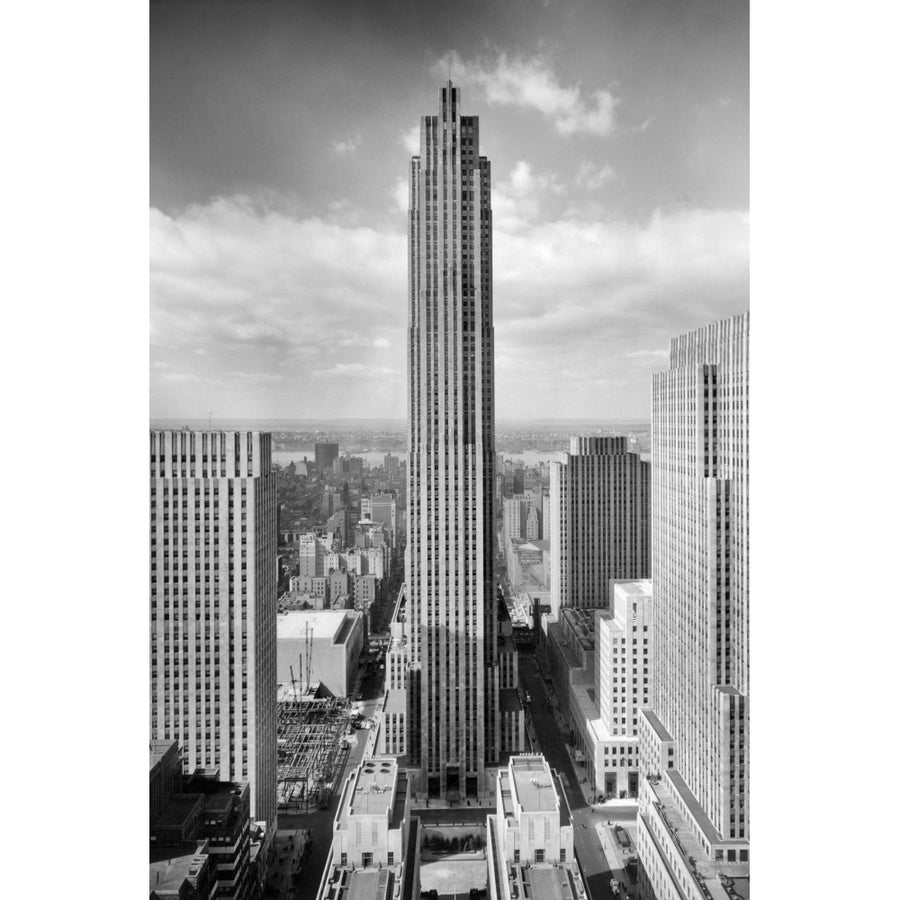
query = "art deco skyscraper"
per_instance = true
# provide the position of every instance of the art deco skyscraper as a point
(600, 521)
(694, 739)
(454, 708)
(213, 596)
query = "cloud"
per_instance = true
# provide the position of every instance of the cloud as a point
(301, 317)
(400, 194)
(347, 146)
(267, 298)
(410, 140)
(516, 201)
(597, 297)
(531, 83)
(591, 178)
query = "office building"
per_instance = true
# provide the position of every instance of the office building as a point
(533, 525)
(452, 603)
(213, 596)
(694, 738)
(326, 454)
(600, 527)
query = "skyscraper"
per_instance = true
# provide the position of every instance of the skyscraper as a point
(454, 710)
(600, 521)
(213, 597)
(326, 454)
(694, 739)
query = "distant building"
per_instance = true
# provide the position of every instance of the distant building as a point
(213, 599)
(600, 526)
(514, 518)
(329, 642)
(326, 454)
(533, 525)
(391, 466)
(375, 845)
(530, 839)
(311, 552)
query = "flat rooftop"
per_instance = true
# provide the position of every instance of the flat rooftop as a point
(657, 726)
(324, 624)
(548, 882)
(158, 749)
(709, 871)
(370, 884)
(168, 873)
(534, 784)
(373, 787)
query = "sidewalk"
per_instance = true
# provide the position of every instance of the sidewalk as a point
(616, 858)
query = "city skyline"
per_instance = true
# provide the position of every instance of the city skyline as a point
(277, 191)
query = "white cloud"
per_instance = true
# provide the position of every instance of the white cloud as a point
(530, 82)
(410, 140)
(347, 146)
(591, 178)
(268, 298)
(516, 201)
(302, 317)
(400, 193)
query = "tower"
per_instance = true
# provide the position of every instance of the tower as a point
(454, 704)
(694, 738)
(600, 521)
(213, 596)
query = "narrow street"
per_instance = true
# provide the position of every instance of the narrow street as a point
(552, 743)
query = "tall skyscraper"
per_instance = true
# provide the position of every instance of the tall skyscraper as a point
(600, 521)
(452, 604)
(213, 595)
(694, 739)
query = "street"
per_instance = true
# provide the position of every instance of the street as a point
(594, 865)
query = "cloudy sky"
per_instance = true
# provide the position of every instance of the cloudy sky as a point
(280, 136)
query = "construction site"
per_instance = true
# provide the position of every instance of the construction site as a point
(312, 745)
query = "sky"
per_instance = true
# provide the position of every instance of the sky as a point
(280, 139)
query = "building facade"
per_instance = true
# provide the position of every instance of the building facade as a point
(695, 766)
(600, 528)
(326, 454)
(213, 598)
(452, 606)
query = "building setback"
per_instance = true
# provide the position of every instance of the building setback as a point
(694, 738)
(454, 711)
(213, 597)
(600, 521)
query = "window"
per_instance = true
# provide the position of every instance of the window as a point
(538, 856)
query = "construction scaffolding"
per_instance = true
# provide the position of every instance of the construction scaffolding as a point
(312, 750)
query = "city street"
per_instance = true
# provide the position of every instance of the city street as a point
(586, 819)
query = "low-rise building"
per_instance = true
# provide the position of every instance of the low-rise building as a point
(329, 642)
(375, 846)
(530, 839)
(200, 832)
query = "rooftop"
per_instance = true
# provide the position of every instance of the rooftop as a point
(533, 783)
(324, 624)
(158, 750)
(373, 787)
(549, 882)
(657, 726)
(710, 873)
(169, 870)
